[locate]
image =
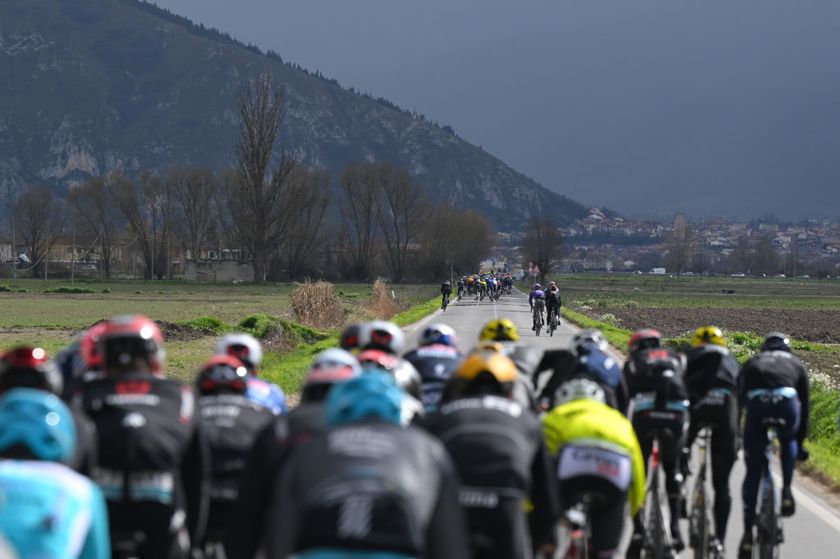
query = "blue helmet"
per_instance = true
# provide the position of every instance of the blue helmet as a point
(39, 421)
(438, 334)
(373, 394)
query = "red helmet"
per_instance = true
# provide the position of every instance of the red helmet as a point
(222, 373)
(644, 339)
(88, 345)
(378, 359)
(29, 367)
(130, 336)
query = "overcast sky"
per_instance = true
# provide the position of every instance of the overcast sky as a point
(646, 106)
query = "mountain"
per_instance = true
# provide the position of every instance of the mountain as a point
(92, 86)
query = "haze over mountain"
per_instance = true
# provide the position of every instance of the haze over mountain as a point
(92, 86)
(649, 106)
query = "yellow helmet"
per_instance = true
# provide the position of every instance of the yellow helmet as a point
(499, 330)
(708, 335)
(497, 365)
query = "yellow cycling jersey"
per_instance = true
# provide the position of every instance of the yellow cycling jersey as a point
(583, 419)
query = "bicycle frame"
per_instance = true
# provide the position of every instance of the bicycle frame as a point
(657, 543)
(701, 531)
(769, 518)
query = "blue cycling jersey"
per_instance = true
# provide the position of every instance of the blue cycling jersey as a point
(266, 394)
(50, 511)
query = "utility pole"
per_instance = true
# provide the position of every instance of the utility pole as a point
(14, 250)
(73, 257)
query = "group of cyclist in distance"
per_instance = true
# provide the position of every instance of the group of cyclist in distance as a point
(390, 454)
(491, 285)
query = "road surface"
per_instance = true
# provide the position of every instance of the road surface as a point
(813, 533)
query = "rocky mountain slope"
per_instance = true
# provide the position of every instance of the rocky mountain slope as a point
(92, 86)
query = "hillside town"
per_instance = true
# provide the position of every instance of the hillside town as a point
(607, 242)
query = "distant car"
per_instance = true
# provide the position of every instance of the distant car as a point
(657, 271)
(688, 274)
(741, 275)
(806, 276)
(781, 276)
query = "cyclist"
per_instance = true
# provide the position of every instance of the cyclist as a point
(153, 459)
(367, 487)
(461, 284)
(537, 302)
(436, 358)
(406, 376)
(248, 350)
(275, 443)
(501, 460)
(504, 336)
(552, 302)
(231, 423)
(595, 363)
(445, 292)
(655, 379)
(711, 378)
(48, 510)
(27, 367)
(772, 385)
(597, 455)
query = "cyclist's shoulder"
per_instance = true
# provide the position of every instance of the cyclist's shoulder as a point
(48, 476)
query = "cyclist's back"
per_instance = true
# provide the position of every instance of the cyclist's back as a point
(593, 362)
(500, 457)
(435, 359)
(711, 380)
(48, 510)
(598, 457)
(773, 387)
(655, 379)
(367, 485)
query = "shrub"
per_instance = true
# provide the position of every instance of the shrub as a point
(610, 319)
(206, 324)
(66, 289)
(316, 304)
(106, 290)
(6, 289)
(382, 304)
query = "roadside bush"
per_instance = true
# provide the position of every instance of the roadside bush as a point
(631, 305)
(106, 290)
(66, 289)
(209, 324)
(382, 305)
(610, 319)
(316, 304)
(6, 289)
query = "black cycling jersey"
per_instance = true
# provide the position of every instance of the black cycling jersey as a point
(86, 453)
(710, 366)
(270, 449)
(646, 371)
(231, 424)
(777, 369)
(153, 461)
(368, 486)
(436, 363)
(501, 459)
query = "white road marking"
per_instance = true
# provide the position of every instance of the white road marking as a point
(826, 515)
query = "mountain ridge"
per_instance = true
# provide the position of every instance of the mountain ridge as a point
(104, 85)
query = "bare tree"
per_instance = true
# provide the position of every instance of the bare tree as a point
(400, 210)
(193, 191)
(766, 258)
(257, 195)
(742, 256)
(456, 238)
(679, 248)
(542, 244)
(358, 212)
(307, 198)
(40, 221)
(96, 207)
(149, 216)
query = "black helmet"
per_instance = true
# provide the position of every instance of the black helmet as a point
(776, 341)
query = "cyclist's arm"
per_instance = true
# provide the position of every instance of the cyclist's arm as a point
(544, 496)
(446, 535)
(195, 475)
(97, 543)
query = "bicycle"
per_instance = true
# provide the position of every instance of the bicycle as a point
(553, 323)
(702, 538)
(769, 534)
(538, 319)
(575, 529)
(657, 537)
(444, 301)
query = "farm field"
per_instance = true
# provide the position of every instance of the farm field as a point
(31, 315)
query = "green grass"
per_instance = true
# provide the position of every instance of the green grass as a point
(417, 312)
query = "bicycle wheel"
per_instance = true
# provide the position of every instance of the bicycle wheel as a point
(657, 540)
(699, 535)
(768, 525)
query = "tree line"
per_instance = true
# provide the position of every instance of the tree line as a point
(287, 219)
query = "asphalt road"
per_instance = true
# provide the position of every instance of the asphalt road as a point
(813, 533)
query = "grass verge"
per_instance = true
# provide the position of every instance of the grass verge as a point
(417, 312)
(823, 434)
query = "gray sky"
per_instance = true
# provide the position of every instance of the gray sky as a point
(646, 106)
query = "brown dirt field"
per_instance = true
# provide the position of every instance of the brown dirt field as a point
(812, 325)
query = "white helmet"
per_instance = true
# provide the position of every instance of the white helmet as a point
(333, 365)
(384, 335)
(244, 347)
(590, 336)
(578, 389)
(438, 334)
